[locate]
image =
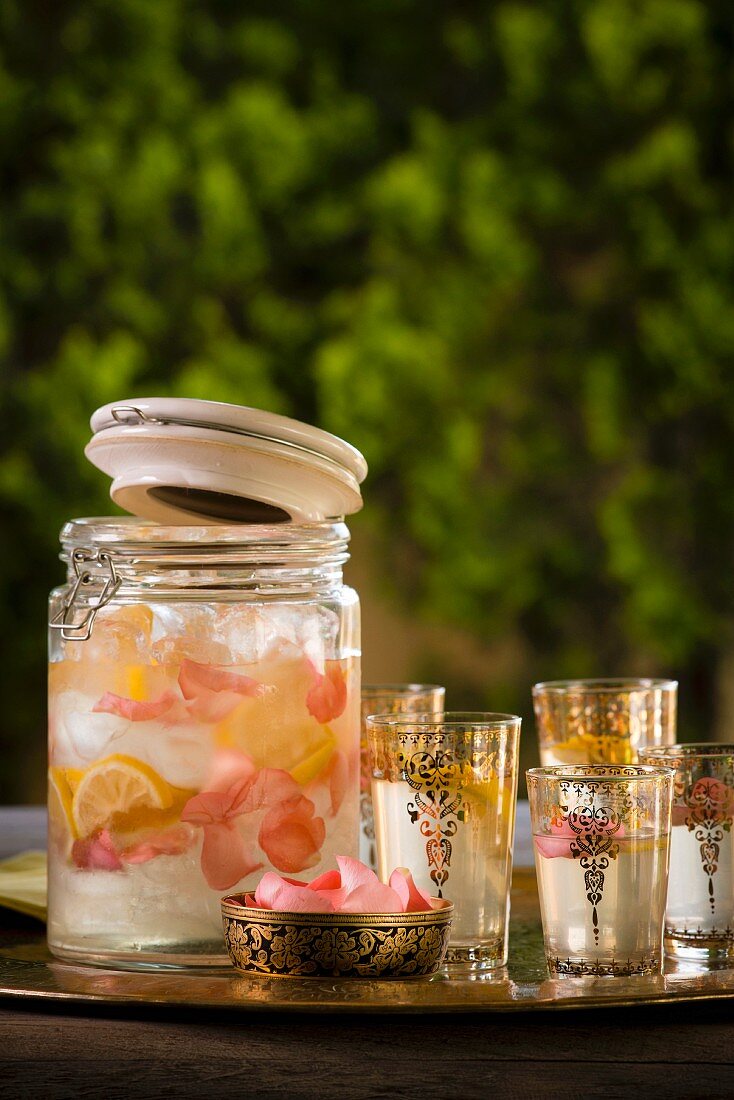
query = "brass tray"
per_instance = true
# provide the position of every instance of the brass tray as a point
(28, 972)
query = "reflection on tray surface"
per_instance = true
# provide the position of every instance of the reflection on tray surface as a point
(27, 970)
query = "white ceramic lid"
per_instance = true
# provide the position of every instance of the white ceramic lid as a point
(172, 459)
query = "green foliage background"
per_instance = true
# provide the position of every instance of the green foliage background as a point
(489, 243)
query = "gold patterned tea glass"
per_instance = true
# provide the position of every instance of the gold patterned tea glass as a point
(444, 792)
(601, 835)
(603, 721)
(699, 916)
(387, 699)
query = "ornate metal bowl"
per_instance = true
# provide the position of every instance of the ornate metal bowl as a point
(331, 945)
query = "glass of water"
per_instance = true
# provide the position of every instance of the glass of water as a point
(387, 699)
(603, 721)
(601, 835)
(699, 918)
(444, 793)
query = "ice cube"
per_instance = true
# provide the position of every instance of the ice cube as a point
(119, 634)
(319, 635)
(163, 901)
(261, 632)
(78, 734)
(243, 631)
(186, 630)
(181, 754)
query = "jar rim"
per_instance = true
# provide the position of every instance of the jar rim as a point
(133, 533)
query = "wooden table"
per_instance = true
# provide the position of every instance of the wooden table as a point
(54, 1052)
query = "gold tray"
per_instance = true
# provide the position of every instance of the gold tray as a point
(27, 971)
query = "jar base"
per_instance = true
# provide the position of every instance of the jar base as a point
(190, 957)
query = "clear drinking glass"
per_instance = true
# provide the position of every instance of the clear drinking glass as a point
(603, 721)
(387, 699)
(444, 792)
(203, 728)
(699, 916)
(601, 836)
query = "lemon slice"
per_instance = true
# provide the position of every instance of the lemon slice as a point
(585, 748)
(316, 761)
(72, 776)
(60, 798)
(488, 794)
(119, 792)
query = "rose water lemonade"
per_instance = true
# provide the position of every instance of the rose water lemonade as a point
(590, 884)
(475, 875)
(700, 911)
(192, 748)
(699, 901)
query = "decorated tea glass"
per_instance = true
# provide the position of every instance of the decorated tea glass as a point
(601, 837)
(444, 793)
(699, 917)
(203, 728)
(387, 699)
(603, 721)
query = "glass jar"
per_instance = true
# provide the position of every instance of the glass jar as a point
(204, 722)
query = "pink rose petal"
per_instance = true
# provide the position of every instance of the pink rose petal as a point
(353, 873)
(134, 710)
(330, 880)
(709, 797)
(244, 796)
(225, 858)
(327, 697)
(170, 842)
(207, 808)
(211, 693)
(715, 797)
(274, 892)
(267, 890)
(414, 899)
(291, 836)
(678, 815)
(329, 887)
(373, 898)
(212, 706)
(268, 787)
(400, 886)
(194, 677)
(557, 844)
(229, 766)
(364, 894)
(97, 853)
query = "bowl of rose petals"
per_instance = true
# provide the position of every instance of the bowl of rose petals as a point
(345, 924)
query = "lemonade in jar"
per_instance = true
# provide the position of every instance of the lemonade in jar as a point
(203, 733)
(204, 681)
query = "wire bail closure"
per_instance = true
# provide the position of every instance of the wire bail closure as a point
(64, 620)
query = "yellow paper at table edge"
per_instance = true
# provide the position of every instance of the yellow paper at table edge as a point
(23, 884)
